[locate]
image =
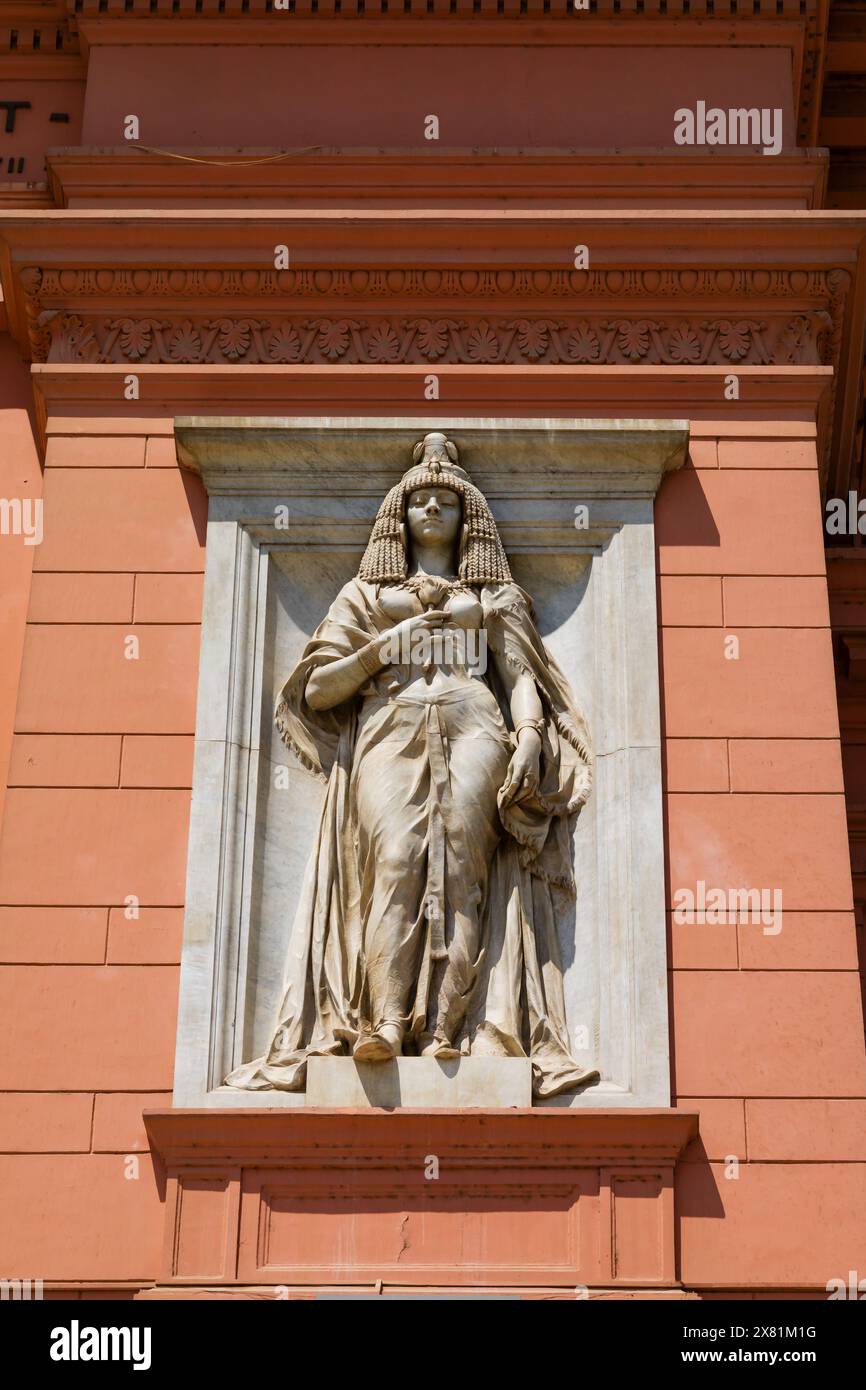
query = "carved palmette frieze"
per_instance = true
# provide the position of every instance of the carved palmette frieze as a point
(595, 340)
(764, 317)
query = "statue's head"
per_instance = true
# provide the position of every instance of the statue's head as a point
(434, 518)
(435, 504)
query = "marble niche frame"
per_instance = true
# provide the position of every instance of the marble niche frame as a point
(332, 473)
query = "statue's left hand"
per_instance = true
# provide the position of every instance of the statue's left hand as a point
(522, 777)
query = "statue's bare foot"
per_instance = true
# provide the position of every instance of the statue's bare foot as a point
(440, 1049)
(380, 1046)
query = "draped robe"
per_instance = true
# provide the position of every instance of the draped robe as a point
(507, 974)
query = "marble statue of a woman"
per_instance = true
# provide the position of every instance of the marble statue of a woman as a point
(426, 923)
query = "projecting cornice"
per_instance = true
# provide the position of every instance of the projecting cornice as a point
(434, 288)
(781, 393)
(478, 177)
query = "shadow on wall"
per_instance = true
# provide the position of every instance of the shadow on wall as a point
(682, 513)
(698, 1186)
(683, 517)
(197, 499)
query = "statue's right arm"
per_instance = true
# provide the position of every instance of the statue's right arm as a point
(331, 684)
(339, 680)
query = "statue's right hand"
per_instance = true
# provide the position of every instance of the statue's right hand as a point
(419, 622)
(332, 682)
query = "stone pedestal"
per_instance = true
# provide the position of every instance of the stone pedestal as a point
(297, 1203)
(421, 1082)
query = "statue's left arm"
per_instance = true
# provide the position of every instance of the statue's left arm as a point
(526, 717)
(550, 771)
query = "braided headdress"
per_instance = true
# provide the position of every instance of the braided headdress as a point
(434, 464)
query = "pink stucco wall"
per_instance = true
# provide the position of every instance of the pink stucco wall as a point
(342, 95)
(766, 1030)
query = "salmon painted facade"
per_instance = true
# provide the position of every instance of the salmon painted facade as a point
(450, 211)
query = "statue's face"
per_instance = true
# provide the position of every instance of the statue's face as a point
(434, 516)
